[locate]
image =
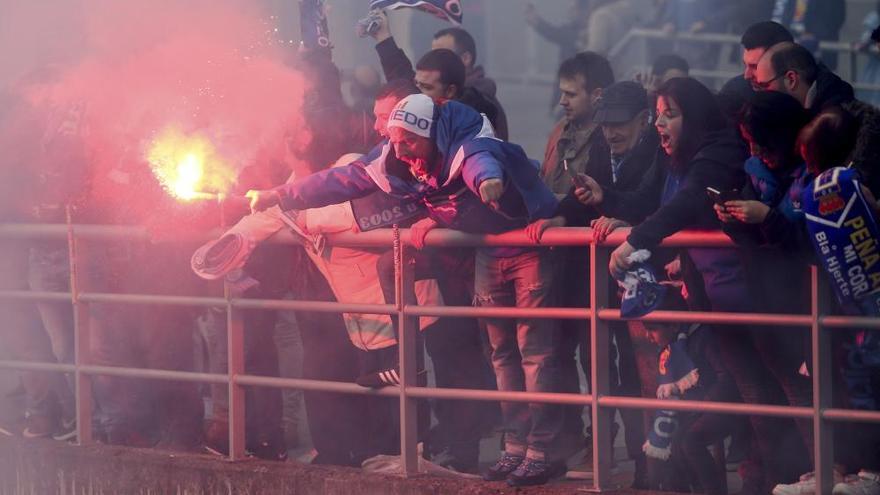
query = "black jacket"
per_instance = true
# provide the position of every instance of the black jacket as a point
(718, 164)
(644, 163)
(396, 65)
(831, 91)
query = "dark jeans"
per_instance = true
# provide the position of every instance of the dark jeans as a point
(24, 337)
(134, 411)
(525, 351)
(692, 466)
(49, 270)
(574, 292)
(782, 352)
(454, 345)
(382, 416)
(262, 404)
(756, 385)
(335, 420)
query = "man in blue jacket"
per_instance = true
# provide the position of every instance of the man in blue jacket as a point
(447, 157)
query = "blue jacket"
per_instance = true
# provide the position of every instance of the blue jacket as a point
(777, 249)
(468, 155)
(784, 227)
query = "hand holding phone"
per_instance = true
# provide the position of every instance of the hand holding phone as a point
(579, 182)
(721, 197)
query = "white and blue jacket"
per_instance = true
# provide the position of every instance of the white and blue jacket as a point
(468, 155)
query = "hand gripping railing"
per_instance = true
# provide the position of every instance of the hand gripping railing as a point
(598, 313)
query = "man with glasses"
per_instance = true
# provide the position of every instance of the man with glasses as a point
(756, 40)
(790, 68)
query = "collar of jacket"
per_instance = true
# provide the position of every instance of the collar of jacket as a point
(574, 139)
(638, 158)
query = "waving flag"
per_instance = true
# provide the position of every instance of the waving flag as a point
(449, 10)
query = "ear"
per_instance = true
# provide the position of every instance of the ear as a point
(467, 58)
(595, 95)
(644, 117)
(451, 92)
(791, 80)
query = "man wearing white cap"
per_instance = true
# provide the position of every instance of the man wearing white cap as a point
(448, 157)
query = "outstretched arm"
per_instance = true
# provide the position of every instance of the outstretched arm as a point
(327, 187)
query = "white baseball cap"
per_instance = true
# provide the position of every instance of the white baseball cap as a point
(415, 113)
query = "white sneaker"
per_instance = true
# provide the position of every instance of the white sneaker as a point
(806, 484)
(865, 483)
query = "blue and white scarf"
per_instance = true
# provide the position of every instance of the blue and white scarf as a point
(449, 10)
(313, 24)
(676, 375)
(846, 238)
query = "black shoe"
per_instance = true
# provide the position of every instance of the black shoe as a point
(503, 467)
(269, 449)
(66, 431)
(532, 472)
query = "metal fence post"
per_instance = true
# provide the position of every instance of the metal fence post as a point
(823, 438)
(403, 285)
(599, 352)
(853, 64)
(235, 349)
(81, 340)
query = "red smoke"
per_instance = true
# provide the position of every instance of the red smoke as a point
(130, 70)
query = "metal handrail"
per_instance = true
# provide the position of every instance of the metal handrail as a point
(601, 400)
(716, 38)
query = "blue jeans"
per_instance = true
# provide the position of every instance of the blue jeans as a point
(22, 336)
(525, 351)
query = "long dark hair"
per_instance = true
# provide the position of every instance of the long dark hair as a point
(700, 115)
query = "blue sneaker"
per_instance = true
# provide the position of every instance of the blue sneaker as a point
(532, 472)
(507, 464)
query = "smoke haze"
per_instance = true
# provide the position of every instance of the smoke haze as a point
(112, 76)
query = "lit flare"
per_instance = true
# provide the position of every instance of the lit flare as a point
(188, 166)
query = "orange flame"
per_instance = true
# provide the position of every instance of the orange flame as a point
(188, 166)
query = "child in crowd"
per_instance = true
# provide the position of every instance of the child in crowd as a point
(690, 368)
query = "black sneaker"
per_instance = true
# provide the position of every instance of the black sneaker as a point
(507, 464)
(38, 426)
(66, 431)
(532, 472)
(384, 378)
(268, 450)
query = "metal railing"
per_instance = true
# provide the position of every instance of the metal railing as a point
(533, 77)
(598, 313)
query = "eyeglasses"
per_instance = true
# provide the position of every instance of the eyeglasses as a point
(766, 84)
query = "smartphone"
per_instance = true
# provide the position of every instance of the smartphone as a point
(721, 197)
(578, 181)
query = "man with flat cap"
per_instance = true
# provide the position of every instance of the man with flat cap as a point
(623, 115)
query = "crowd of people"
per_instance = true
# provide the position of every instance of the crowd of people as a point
(639, 154)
